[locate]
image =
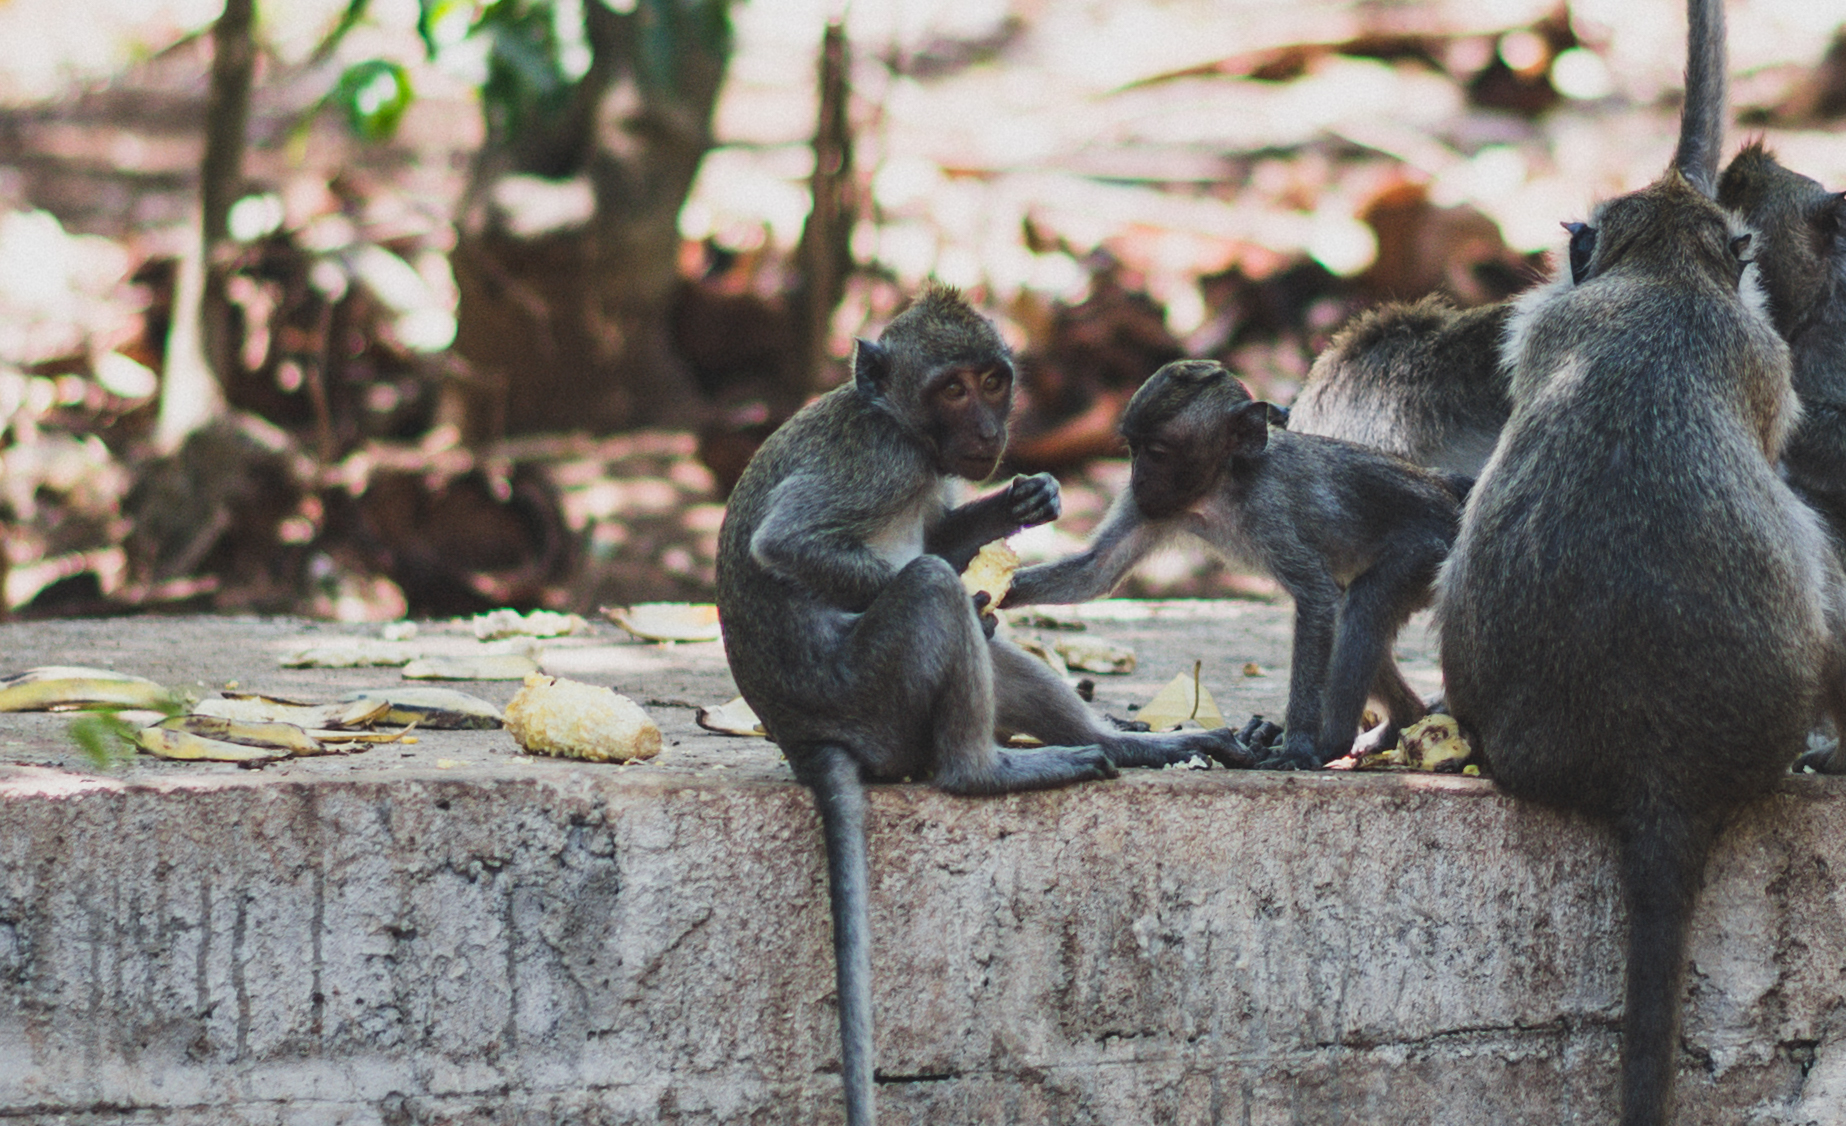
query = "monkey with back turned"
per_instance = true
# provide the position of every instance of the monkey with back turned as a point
(849, 633)
(1353, 534)
(1633, 584)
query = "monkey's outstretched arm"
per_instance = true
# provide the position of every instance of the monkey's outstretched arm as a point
(807, 539)
(1025, 503)
(1124, 539)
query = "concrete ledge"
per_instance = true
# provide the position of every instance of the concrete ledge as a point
(507, 941)
(1199, 949)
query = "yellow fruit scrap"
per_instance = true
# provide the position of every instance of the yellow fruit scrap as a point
(1090, 654)
(565, 718)
(992, 571)
(733, 717)
(485, 666)
(667, 621)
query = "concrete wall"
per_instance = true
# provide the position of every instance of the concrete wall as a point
(608, 947)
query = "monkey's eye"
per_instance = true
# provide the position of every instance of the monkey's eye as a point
(954, 391)
(993, 383)
(1582, 245)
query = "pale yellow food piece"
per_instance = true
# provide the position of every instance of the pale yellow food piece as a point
(497, 624)
(667, 621)
(1043, 652)
(1092, 654)
(485, 666)
(569, 719)
(733, 717)
(992, 571)
(1435, 743)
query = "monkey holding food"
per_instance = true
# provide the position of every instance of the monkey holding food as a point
(849, 633)
(1355, 536)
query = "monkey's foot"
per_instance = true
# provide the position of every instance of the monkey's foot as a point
(1228, 750)
(1291, 754)
(1126, 724)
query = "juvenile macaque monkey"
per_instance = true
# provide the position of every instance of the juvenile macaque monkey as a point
(1633, 584)
(1353, 534)
(847, 628)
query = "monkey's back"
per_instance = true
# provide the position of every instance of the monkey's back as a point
(1422, 381)
(1632, 609)
(774, 623)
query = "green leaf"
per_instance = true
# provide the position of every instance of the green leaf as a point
(374, 95)
(105, 738)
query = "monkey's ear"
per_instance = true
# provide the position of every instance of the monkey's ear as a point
(1830, 224)
(870, 365)
(1246, 428)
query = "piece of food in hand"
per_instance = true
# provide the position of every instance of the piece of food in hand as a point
(569, 719)
(992, 571)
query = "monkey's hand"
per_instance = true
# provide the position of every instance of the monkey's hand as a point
(989, 622)
(1034, 500)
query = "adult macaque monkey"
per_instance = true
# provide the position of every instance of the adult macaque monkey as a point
(1422, 381)
(1801, 260)
(848, 630)
(1353, 534)
(1633, 583)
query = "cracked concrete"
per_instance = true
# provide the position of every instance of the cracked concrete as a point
(453, 933)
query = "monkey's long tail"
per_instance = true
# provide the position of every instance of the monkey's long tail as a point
(1663, 863)
(1701, 121)
(840, 793)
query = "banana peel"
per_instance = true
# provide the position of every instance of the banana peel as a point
(1184, 698)
(54, 688)
(442, 709)
(251, 708)
(217, 739)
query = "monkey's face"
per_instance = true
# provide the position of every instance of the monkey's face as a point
(966, 409)
(1171, 471)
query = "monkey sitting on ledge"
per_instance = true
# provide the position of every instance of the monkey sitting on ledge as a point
(1355, 535)
(849, 633)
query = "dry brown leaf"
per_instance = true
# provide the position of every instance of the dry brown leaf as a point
(1184, 698)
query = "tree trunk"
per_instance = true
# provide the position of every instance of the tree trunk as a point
(569, 330)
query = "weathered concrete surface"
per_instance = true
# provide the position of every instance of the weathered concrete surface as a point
(509, 941)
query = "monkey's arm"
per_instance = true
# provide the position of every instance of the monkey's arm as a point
(807, 539)
(1027, 502)
(1124, 539)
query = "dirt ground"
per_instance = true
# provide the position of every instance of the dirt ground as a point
(202, 655)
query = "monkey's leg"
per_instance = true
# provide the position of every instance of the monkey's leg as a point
(1403, 707)
(1375, 606)
(919, 663)
(1030, 698)
(1316, 600)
